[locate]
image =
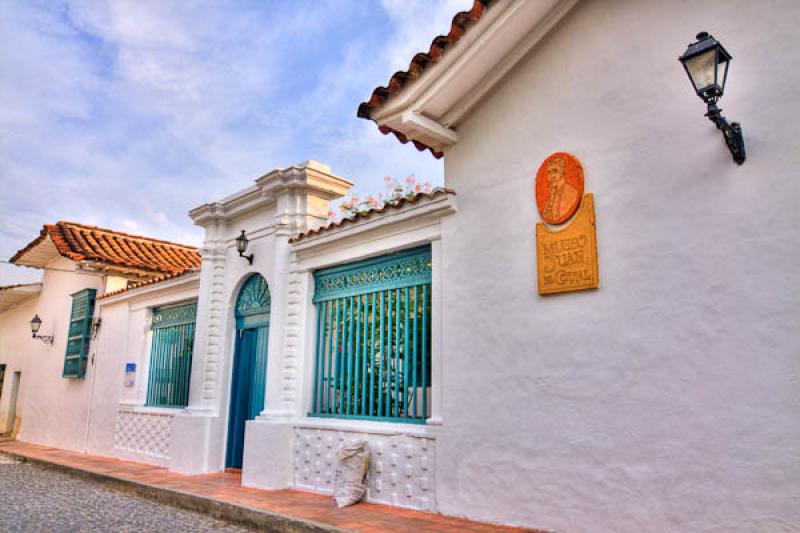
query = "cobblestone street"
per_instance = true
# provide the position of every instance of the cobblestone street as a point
(37, 499)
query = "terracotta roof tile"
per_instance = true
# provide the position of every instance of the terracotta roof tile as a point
(386, 207)
(80, 242)
(461, 22)
(151, 281)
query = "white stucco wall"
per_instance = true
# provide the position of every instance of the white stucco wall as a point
(114, 283)
(666, 400)
(54, 409)
(121, 425)
(283, 202)
(222, 276)
(401, 456)
(16, 346)
(95, 414)
(112, 342)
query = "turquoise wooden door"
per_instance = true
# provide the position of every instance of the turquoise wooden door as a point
(249, 375)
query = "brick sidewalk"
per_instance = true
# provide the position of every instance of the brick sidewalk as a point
(223, 496)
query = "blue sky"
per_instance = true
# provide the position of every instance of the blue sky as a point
(126, 114)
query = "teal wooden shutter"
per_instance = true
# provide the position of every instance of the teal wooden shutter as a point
(79, 333)
(171, 355)
(373, 345)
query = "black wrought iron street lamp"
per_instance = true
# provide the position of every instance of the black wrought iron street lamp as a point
(36, 323)
(241, 246)
(706, 62)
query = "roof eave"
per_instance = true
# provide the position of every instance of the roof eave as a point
(126, 271)
(146, 289)
(100, 249)
(13, 295)
(426, 110)
(37, 253)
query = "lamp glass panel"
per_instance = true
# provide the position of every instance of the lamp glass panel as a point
(241, 243)
(722, 73)
(702, 69)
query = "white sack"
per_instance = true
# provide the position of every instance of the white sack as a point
(351, 472)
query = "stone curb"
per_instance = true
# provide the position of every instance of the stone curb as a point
(234, 513)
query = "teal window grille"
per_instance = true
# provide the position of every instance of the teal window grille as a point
(79, 333)
(373, 342)
(171, 355)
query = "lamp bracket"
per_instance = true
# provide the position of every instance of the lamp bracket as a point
(248, 257)
(47, 339)
(732, 132)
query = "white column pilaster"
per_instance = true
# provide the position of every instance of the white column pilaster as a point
(436, 333)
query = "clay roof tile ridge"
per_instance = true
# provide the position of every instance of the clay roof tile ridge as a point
(123, 234)
(126, 247)
(81, 241)
(397, 204)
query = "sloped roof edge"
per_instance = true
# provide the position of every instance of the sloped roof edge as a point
(80, 242)
(396, 206)
(20, 285)
(460, 24)
(13, 295)
(153, 281)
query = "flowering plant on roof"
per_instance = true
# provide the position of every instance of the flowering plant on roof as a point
(356, 205)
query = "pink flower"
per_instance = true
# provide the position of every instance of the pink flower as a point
(387, 179)
(410, 180)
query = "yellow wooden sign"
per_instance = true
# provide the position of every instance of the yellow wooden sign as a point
(567, 258)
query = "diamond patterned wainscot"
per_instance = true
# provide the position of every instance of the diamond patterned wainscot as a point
(401, 467)
(144, 436)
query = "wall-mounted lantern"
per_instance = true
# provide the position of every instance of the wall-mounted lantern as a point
(706, 62)
(241, 246)
(36, 323)
(96, 323)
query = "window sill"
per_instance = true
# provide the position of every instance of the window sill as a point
(368, 426)
(148, 409)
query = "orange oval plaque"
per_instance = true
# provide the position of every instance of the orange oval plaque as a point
(559, 187)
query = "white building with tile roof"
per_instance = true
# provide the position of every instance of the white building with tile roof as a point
(663, 399)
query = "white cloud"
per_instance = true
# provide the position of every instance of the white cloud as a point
(126, 114)
(416, 23)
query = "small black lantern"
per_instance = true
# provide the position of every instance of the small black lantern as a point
(706, 63)
(36, 323)
(241, 246)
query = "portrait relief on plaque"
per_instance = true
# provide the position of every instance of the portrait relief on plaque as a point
(559, 187)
